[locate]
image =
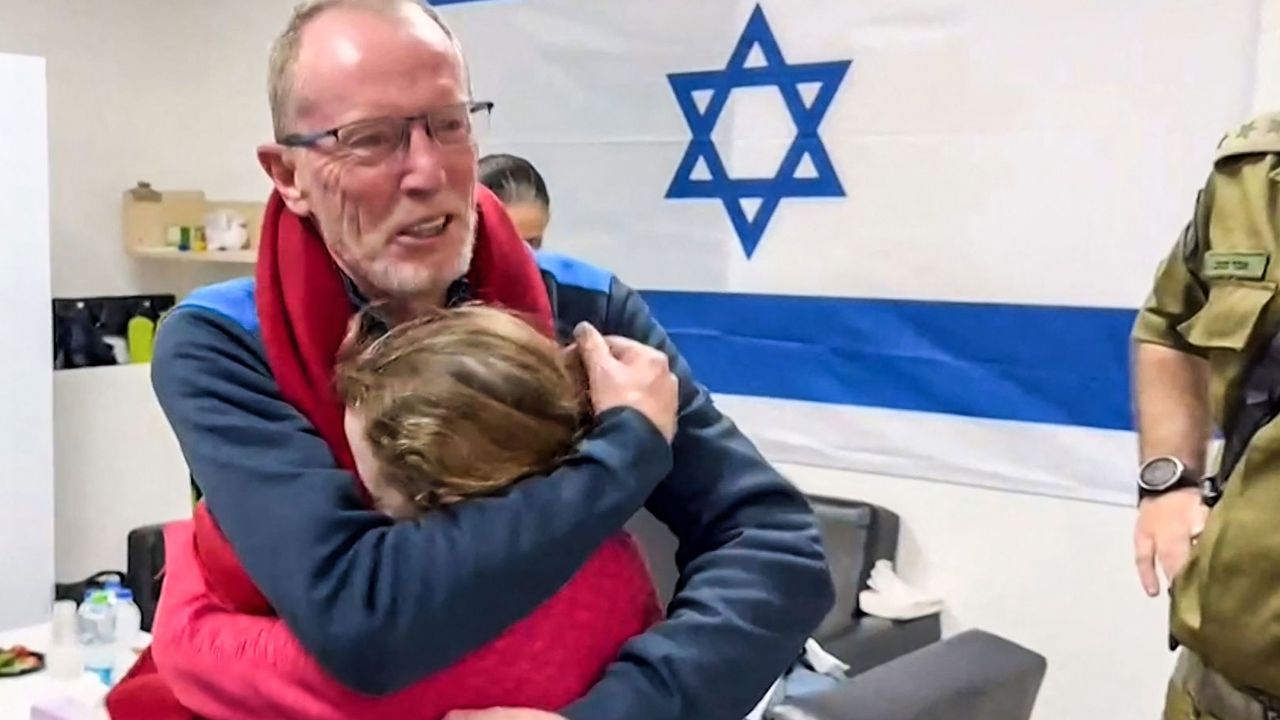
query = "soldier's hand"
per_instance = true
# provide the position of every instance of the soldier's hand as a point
(1167, 526)
(622, 372)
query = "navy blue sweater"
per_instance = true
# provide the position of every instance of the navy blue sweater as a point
(381, 605)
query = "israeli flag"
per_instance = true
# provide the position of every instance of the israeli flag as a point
(904, 237)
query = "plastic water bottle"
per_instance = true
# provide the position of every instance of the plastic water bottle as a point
(128, 628)
(128, 619)
(64, 660)
(112, 587)
(97, 621)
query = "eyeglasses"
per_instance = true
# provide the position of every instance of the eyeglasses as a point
(374, 140)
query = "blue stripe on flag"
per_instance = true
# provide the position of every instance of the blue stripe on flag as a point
(1060, 365)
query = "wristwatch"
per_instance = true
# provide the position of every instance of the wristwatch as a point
(1161, 474)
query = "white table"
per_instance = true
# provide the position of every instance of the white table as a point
(18, 694)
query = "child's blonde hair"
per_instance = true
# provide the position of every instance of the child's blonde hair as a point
(463, 403)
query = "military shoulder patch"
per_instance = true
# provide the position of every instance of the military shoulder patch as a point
(1259, 135)
(1239, 265)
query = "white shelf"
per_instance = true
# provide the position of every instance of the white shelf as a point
(244, 257)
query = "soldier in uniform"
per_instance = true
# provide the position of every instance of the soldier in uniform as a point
(1206, 354)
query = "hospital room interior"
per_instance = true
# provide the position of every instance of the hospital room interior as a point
(640, 359)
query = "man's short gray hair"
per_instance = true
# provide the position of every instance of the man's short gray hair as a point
(284, 51)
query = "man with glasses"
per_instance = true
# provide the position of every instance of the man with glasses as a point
(376, 148)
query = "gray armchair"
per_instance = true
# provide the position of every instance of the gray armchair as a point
(898, 670)
(855, 536)
(972, 676)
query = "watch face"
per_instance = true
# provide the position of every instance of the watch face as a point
(1160, 473)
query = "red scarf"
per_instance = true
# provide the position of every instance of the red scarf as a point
(304, 308)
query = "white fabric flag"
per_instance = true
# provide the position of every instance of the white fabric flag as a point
(896, 237)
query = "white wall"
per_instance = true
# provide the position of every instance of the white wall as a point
(1266, 96)
(118, 468)
(169, 92)
(26, 415)
(173, 93)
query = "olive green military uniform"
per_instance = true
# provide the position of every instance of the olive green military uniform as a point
(1214, 297)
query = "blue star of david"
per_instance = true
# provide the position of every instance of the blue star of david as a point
(702, 150)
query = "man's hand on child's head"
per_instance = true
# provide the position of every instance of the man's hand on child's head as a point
(502, 714)
(623, 372)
